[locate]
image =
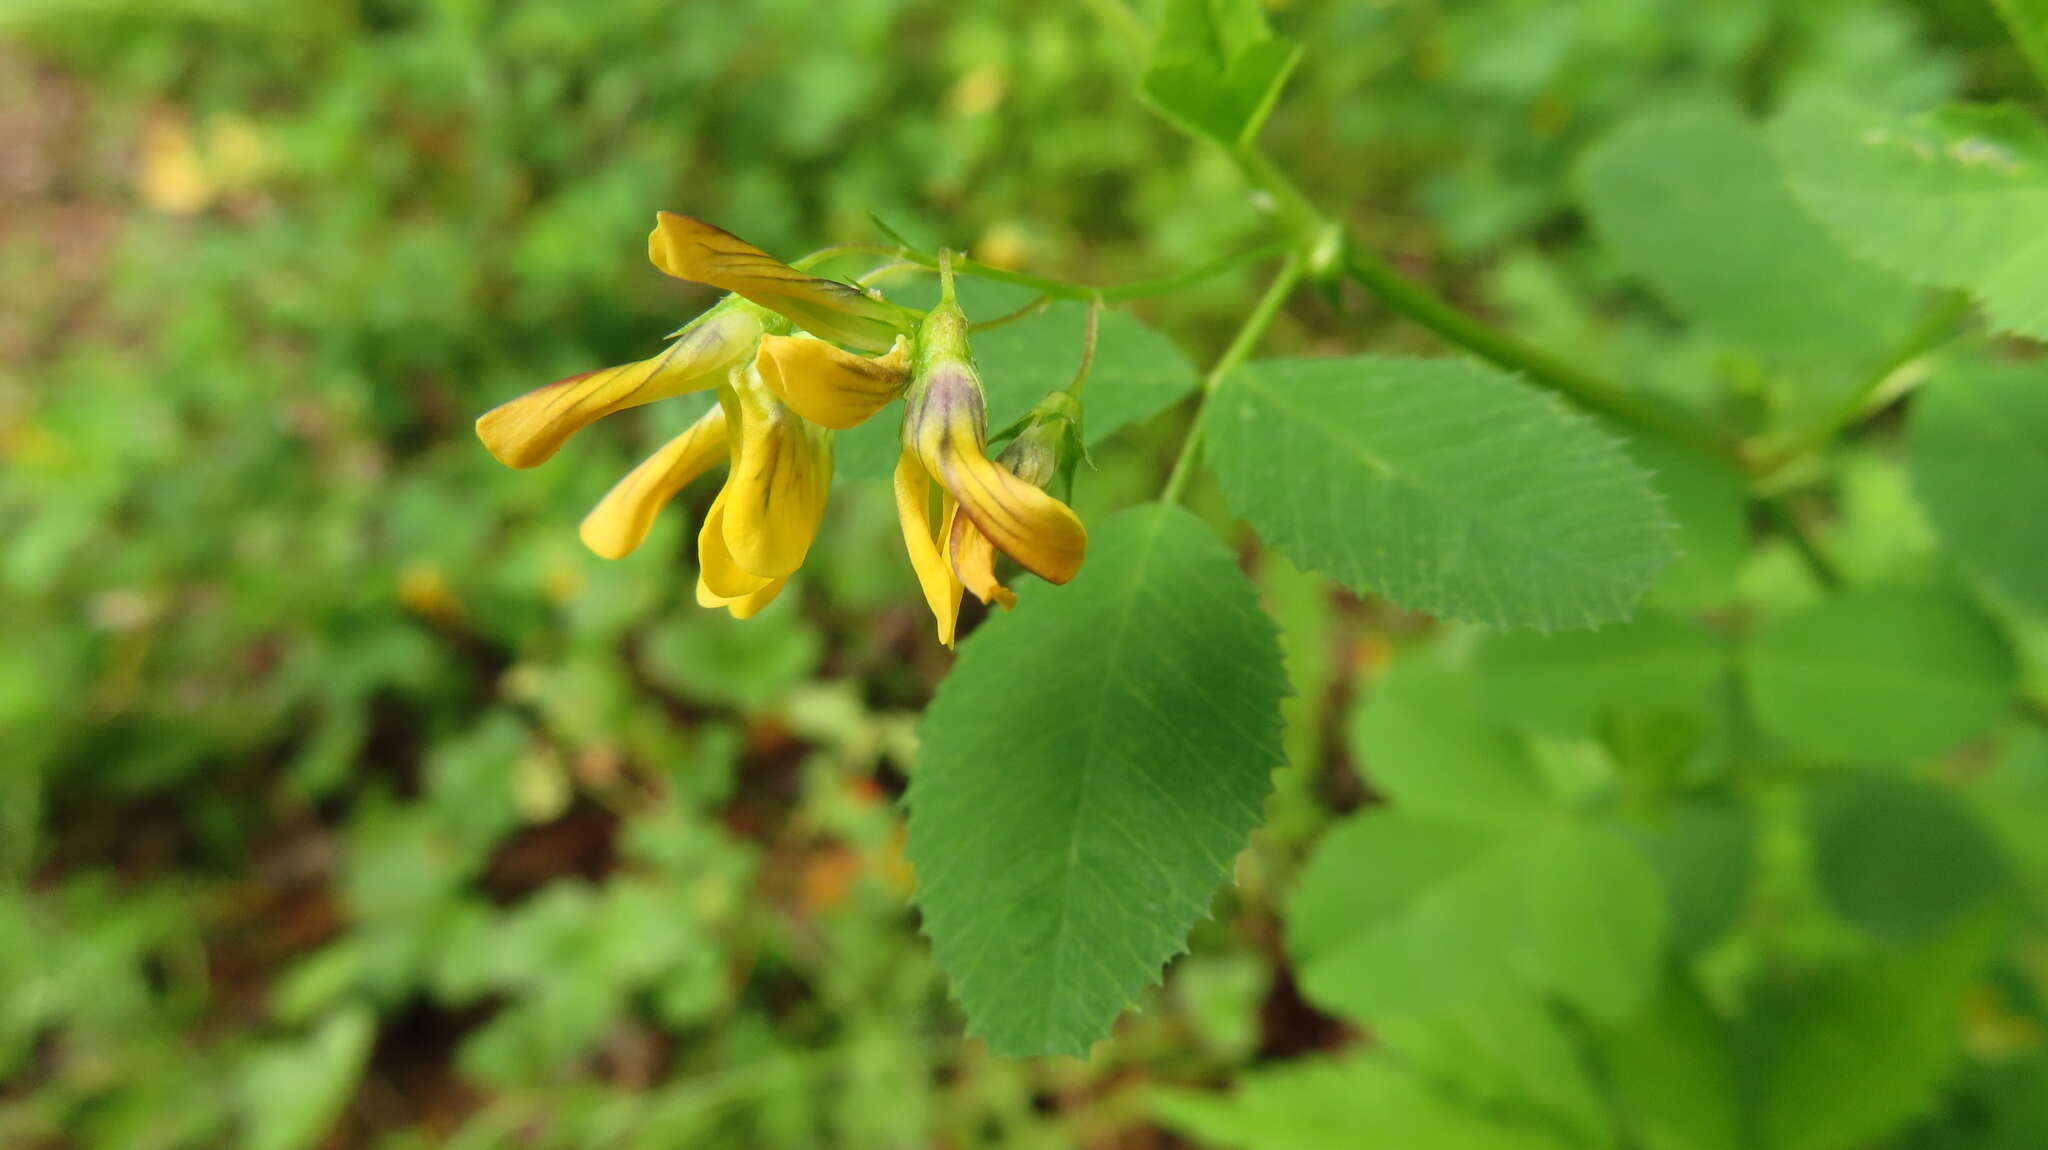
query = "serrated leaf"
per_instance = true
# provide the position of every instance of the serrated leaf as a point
(1216, 69)
(1566, 684)
(1361, 1101)
(1421, 737)
(1979, 448)
(1446, 486)
(1398, 915)
(1137, 373)
(1088, 771)
(1956, 198)
(1900, 859)
(1691, 201)
(1880, 675)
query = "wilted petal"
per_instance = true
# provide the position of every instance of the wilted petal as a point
(830, 387)
(528, 430)
(621, 520)
(934, 576)
(691, 249)
(781, 476)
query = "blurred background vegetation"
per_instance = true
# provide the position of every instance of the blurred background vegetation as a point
(346, 801)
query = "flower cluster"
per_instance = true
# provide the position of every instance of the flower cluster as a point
(776, 350)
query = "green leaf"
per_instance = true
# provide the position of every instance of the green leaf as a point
(1898, 858)
(1594, 920)
(1507, 1050)
(1843, 1059)
(1690, 199)
(292, 1091)
(1676, 1075)
(2028, 21)
(1979, 446)
(1880, 675)
(1446, 486)
(1216, 69)
(1704, 854)
(1956, 198)
(1363, 1101)
(1088, 771)
(1398, 915)
(1567, 683)
(1422, 738)
(1137, 373)
(1708, 500)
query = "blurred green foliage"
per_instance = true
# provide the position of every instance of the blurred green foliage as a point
(345, 800)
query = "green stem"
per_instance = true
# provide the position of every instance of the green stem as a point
(1111, 293)
(1248, 335)
(1876, 390)
(1087, 348)
(1583, 388)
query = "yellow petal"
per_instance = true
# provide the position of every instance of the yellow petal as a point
(830, 387)
(691, 249)
(720, 580)
(945, 426)
(781, 476)
(527, 431)
(974, 561)
(745, 606)
(621, 520)
(934, 576)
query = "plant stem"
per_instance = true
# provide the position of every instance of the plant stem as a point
(1111, 293)
(1248, 335)
(1087, 348)
(1583, 388)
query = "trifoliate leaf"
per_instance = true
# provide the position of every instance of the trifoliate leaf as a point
(1217, 69)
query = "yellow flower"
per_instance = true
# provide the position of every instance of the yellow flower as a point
(763, 521)
(527, 431)
(985, 505)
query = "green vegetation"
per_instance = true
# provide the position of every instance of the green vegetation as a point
(1561, 661)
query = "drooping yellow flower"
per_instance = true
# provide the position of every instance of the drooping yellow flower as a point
(986, 506)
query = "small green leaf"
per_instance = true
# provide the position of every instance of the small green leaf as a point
(1704, 853)
(1452, 910)
(1881, 675)
(2028, 21)
(1567, 683)
(1979, 446)
(1676, 1074)
(1446, 486)
(293, 1090)
(1421, 737)
(1898, 858)
(1594, 920)
(1691, 200)
(1362, 1101)
(1089, 770)
(1843, 1059)
(1216, 68)
(1957, 198)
